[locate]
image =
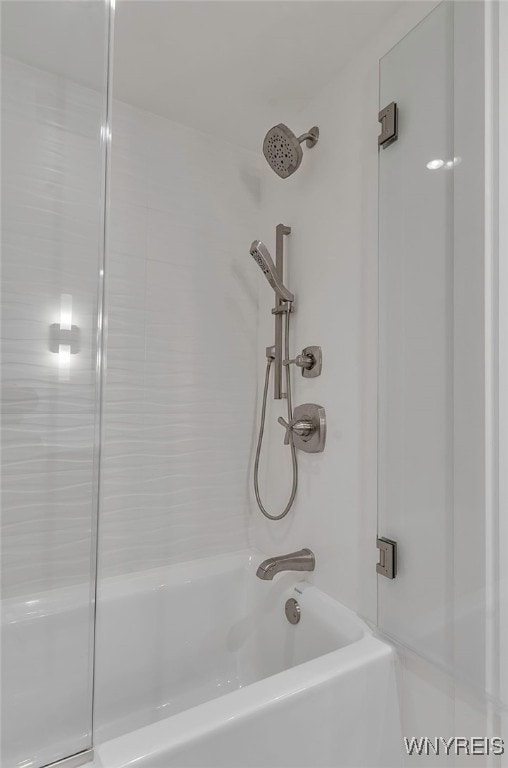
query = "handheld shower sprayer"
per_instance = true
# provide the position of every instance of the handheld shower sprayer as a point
(276, 355)
(261, 256)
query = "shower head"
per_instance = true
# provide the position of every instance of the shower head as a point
(261, 255)
(282, 148)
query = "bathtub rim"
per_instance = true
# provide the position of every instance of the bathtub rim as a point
(197, 722)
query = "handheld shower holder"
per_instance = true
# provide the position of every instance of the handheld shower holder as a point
(285, 306)
(310, 362)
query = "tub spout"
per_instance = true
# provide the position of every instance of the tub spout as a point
(303, 560)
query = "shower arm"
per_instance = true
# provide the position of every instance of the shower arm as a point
(280, 308)
(311, 137)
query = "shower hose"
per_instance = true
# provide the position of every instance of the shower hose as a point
(290, 434)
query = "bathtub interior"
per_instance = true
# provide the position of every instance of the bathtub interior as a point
(42, 650)
(176, 637)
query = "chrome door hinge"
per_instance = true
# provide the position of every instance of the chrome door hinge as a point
(388, 117)
(387, 565)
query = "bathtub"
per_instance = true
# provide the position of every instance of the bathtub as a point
(197, 665)
(46, 676)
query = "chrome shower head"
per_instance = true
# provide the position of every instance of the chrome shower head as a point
(261, 255)
(282, 148)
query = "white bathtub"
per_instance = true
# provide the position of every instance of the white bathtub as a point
(197, 665)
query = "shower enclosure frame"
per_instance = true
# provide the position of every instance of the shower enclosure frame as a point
(101, 334)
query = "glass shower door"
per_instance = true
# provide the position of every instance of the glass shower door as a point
(432, 419)
(54, 72)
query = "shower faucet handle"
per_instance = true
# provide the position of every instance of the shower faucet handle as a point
(307, 428)
(287, 427)
(310, 361)
(301, 427)
(302, 361)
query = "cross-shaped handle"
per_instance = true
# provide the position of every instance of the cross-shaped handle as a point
(287, 427)
(302, 427)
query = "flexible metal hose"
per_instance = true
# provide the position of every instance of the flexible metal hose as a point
(290, 434)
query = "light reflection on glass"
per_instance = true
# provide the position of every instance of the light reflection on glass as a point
(434, 165)
(64, 362)
(65, 312)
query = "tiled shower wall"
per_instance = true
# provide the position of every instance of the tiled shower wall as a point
(51, 232)
(180, 389)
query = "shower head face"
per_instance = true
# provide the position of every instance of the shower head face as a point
(261, 256)
(282, 150)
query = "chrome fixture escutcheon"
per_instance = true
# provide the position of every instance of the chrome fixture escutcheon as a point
(308, 428)
(292, 610)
